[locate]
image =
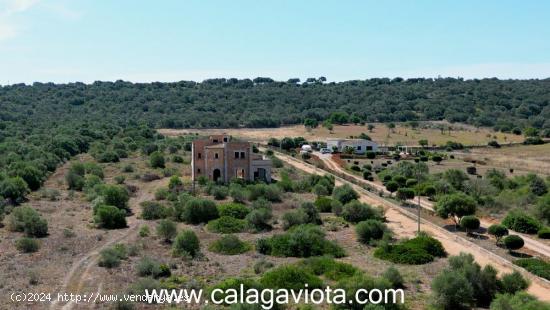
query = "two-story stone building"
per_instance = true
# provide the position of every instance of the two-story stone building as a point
(220, 159)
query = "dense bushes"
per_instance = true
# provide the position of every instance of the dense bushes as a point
(300, 241)
(521, 222)
(469, 222)
(456, 206)
(27, 245)
(229, 245)
(370, 230)
(115, 195)
(355, 211)
(153, 210)
(513, 242)
(535, 266)
(109, 217)
(27, 220)
(227, 225)
(518, 301)
(156, 160)
(416, 251)
(306, 214)
(14, 188)
(328, 267)
(365, 283)
(323, 204)
(465, 284)
(111, 257)
(290, 277)
(498, 231)
(166, 229)
(198, 210)
(186, 243)
(235, 210)
(544, 233)
(344, 194)
(270, 192)
(148, 267)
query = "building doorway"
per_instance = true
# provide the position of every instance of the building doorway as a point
(216, 174)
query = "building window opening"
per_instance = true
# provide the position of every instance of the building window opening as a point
(236, 155)
(242, 154)
(199, 155)
(216, 155)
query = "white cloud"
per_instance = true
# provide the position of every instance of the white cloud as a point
(16, 6)
(8, 11)
(7, 31)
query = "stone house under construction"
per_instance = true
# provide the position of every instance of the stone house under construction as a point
(220, 159)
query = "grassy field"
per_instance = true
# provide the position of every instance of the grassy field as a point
(401, 134)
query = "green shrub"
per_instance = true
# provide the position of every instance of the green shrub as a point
(263, 246)
(469, 222)
(416, 251)
(290, 277)
(394, 277)
(336, 207)
(28, 220)
(27, 245)
(270, 192)
(235, 210)
(74, 181)
(229, 245)
(521, 222)
(323, 204)
(344, 194)
(456, 206)
(198, 210)
(452, 290)
(259, 219)
(306, 214)
(261, 203)
(511, 283)
(404, 193)
(144, 231)
(161, 193)
(513, 242)
(111, 257)
(518, 301)
(109, 217)
(220, 192)
(227, 225)
(128, 168)
(115, 195)
(151, 210)
(370, 230)
(544, 233)
(355, 211)
(328, 267)
(535, 266)
(320, 190)
(303, 241)
(156, 159)
(148, 267)
(237, 192)
(186, 243)
(166, 229)
(262, 265)
(498, 231)
(119, 179)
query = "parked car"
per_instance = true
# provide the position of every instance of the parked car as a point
(325, 151)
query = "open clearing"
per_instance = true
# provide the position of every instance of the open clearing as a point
(401, 134)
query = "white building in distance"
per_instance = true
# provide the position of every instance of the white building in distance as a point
(360, 146)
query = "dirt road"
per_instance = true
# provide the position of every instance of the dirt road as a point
(81, 276)
(403, 224)
(530, 243)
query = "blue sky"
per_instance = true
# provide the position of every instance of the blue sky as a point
(88, 40)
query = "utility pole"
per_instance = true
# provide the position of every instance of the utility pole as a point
(418, 194)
